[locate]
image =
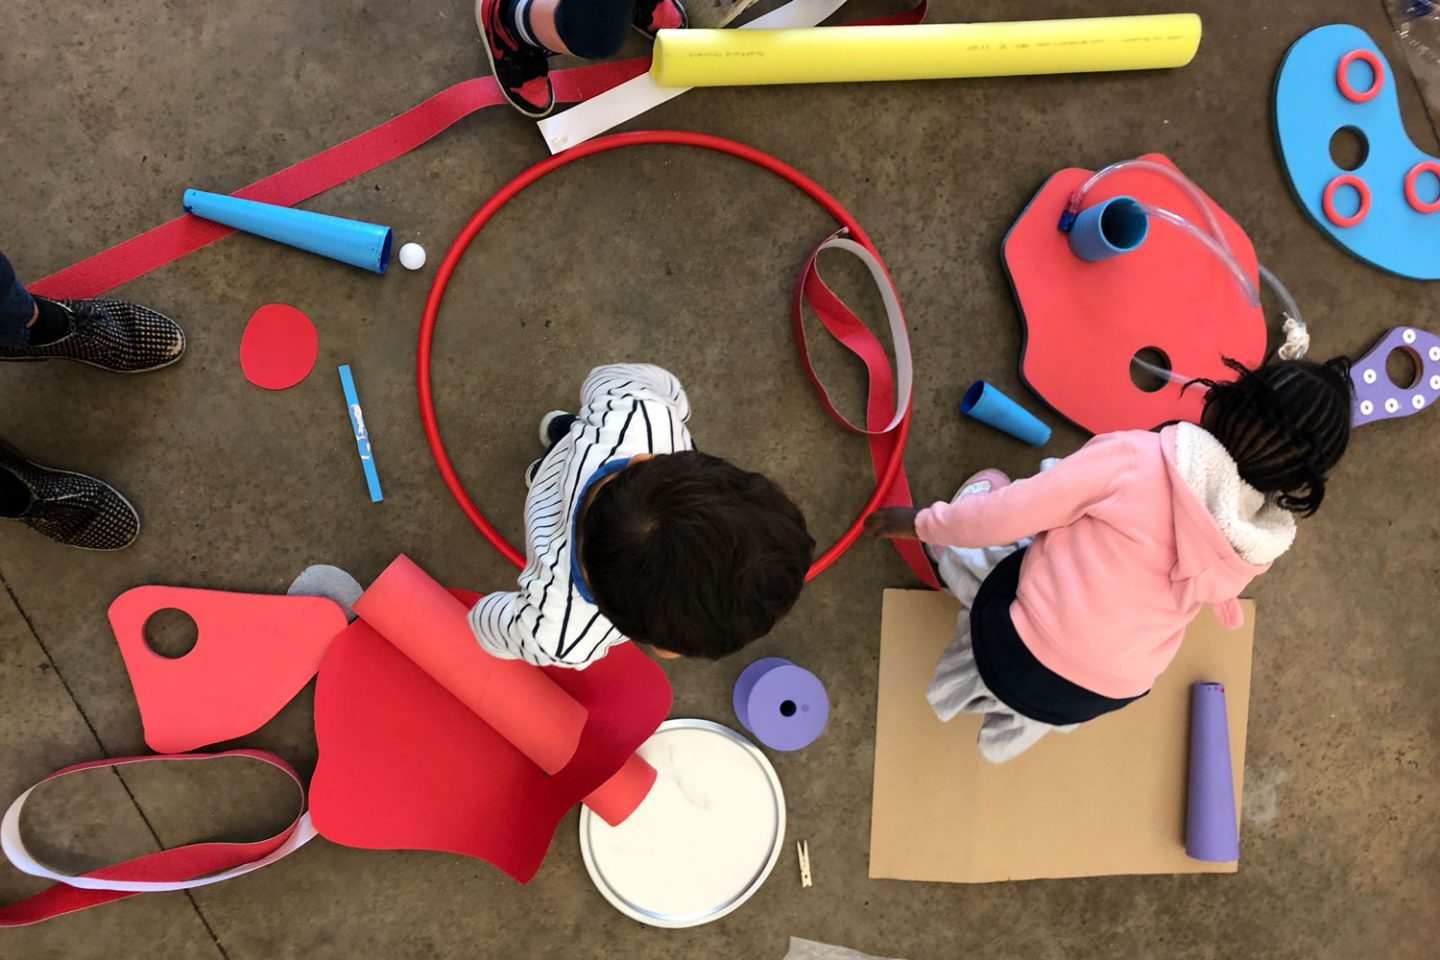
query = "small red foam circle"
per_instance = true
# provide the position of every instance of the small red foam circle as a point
(1327, 202)
(279, 347)
(1342, 78)
(1412, 193)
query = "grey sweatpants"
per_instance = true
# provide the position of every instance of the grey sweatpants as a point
(956, 686)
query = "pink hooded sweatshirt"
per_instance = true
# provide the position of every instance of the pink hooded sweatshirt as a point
(1133, 533)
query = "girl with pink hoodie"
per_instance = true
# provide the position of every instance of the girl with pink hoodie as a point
(1080, 580)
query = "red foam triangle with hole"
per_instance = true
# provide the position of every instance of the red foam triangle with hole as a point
(252, 654)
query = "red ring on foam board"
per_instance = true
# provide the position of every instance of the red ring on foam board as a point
(1327, 202)
(1412, 195)
(1342, 80)
(885, 476)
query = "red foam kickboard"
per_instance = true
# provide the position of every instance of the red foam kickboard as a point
(252, 654)
(405, 765)
(1084, 321)
(279, 347)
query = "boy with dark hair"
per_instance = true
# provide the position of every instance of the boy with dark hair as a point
(632, 534)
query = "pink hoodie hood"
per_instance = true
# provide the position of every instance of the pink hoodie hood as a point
(1226, 532)
(1133, 534)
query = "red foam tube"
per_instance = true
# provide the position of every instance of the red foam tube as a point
(427, 624)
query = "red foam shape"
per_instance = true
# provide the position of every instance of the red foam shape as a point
(1085, 321)
(404, 765)
(279, 347)
(252, 654)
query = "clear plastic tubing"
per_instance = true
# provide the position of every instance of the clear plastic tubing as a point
(1214, 240)
(1288, 304)
(1174, 176)
(1214, 245)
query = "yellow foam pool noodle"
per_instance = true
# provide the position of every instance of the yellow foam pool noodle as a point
(720, 58)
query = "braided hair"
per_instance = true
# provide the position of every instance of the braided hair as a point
(1285, 423)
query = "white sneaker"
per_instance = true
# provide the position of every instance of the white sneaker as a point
(551, 423)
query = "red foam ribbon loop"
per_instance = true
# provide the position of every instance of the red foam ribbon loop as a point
(885, 433)
(176, 865)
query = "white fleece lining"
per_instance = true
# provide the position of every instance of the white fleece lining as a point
(1258, 529)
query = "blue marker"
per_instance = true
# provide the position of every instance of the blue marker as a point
(362, 436)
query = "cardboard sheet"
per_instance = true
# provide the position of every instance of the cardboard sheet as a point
(1108, 798)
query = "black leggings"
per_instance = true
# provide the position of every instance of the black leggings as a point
(593, 29)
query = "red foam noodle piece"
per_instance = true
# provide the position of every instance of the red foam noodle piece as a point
(427, 624)
(405, 764)
(1084, 322)
(252, 654)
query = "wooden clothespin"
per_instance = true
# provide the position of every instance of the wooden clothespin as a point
(802, 850)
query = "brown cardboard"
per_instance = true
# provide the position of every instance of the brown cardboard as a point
(1107, 798)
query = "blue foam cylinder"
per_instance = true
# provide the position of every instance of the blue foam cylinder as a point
(986, 403)
(355, 242)
(1108, 228)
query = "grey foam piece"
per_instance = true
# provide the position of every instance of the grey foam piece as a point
(323, 580)
(810, 950)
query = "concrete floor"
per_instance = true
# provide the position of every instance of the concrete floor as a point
(110, 110)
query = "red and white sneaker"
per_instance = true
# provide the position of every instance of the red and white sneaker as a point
(652, 16)
(521, 69)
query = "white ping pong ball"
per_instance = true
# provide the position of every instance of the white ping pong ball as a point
(412, 256)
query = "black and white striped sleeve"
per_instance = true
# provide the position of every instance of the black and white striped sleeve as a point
(494, 619)
(635, 381)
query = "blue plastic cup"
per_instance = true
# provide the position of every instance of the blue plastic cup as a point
(986, 403)
(1108, 229)
(360, 244)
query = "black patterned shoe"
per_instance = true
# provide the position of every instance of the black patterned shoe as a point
(69, 508)
(110, 334)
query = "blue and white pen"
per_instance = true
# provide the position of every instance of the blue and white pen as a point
(362, 436)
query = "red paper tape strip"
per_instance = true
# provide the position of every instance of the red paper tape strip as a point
(185, 234)
(177, 868)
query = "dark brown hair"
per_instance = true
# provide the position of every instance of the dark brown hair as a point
(694, 555)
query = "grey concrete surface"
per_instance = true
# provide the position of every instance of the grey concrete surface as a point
(110, 110)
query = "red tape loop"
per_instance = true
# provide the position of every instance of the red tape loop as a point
(845, 327)
(1327, 202)
(178, 868)
(1412, 193)
(886, 445)
(1342, 76)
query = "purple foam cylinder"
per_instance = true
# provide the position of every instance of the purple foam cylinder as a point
(784, 706)
(1210, 830)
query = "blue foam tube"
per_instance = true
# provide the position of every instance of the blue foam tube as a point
(986, 403)
(1108, 228)
(355, 242)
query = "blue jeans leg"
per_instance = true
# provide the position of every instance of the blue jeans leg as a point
(16, 307)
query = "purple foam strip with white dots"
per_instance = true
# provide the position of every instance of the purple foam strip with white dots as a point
(1377, 397)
